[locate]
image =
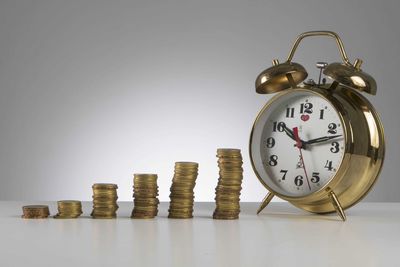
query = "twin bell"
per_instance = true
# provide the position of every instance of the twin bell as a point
(282, 76)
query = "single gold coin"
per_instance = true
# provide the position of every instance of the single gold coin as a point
(104, 186)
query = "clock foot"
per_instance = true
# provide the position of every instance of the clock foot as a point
(336, 204)
(265, 202)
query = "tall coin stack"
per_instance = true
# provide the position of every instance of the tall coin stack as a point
(145, 192)
(182, 196)
(68, 209)
(104, 201)
(229, 184)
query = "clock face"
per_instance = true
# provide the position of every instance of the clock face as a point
(298, 143)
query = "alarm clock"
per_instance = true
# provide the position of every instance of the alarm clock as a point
(319, 145)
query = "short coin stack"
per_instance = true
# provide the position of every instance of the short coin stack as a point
(104, 201)
(35, 212)
(182, 196)
(145, 192)
(229, 184)
(68, 209)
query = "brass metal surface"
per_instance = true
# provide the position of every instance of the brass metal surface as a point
(320, 33)
(265, 201)
(363, 131)
(352, 76)
(345, 73)
(337, 206)
(289, 74)
(364, 150)
(280, 77)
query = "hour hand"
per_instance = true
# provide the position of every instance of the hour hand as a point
(321, 139)
(289, 132)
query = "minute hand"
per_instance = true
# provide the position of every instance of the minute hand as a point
(321, 139)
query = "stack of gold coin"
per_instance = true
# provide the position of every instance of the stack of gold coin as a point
(104, 201)
(68, 209)
(182, 196)
(229, 184)
(35, 212)
(145, 192)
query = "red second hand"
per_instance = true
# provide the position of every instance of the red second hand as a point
(299, 145)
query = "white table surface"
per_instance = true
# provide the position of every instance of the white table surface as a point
(281, 236)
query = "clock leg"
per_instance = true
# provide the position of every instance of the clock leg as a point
(265, 202)
(336, 204)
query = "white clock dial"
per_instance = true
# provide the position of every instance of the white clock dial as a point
(293, 170)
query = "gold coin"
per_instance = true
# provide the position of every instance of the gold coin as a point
(140, 216)
(182, 190)
(104, 216)
(227, 164)
(227, 207)
(35, 211)
(231, 183)
(69, 203)
(182, 195)
(179, 185)
(150, 189)
(104, 186)
(144, 212)
(104, 192)
(144, 208)
(174, 216)
(180, 205)
(68, 209)
(223, 151)
(224, 217)
(187, 163)
(62, 216)
(144, 178)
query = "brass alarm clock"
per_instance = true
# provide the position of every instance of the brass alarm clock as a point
(318, 145)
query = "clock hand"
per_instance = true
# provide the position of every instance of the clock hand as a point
(321, 139)
(288, 132)
(299, 146)
(291, 135)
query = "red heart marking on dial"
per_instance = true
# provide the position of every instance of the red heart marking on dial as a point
(305, 117)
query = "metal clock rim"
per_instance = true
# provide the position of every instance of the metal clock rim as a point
(344, 161)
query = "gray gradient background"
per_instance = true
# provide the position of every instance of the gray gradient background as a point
(93, 91)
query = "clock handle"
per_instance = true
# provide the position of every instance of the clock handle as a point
(265, 202)
(336, 204)
(320, 33)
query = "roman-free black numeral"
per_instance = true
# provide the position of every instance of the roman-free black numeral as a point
(321, 114)
(284, 174)
(270, 142)
(332, 128)
(328, 165)
(273, 160)
(315, 177)
(289, 112)
(335, 147)
(298, 180)
(278, 126)
(306, 108)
